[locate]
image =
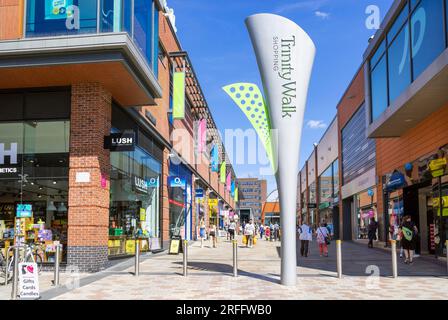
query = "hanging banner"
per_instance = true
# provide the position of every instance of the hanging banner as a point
(223, 172)
(232, 188)
(235, 198)
(285, 56)
(215, 159)
(229, 181)
(179, 95)
(202, 135)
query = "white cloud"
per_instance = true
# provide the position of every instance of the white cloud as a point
(316, 124)
(322, 15)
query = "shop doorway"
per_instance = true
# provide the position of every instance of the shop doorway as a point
(347, 209)
(336, 222)
(411, 208)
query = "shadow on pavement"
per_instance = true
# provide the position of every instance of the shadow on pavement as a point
(225, 269)
(358, 260)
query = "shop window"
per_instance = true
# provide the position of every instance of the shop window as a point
(399, 64)
(46, 18)
(142, 26)
(35, 173)
(428, 34)
(379, 88)
(134, 202)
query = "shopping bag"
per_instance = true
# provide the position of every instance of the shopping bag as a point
(244, 239)
(255, 240)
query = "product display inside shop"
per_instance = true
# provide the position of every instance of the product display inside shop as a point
(25, 224)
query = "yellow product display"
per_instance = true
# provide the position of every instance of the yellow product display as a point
(130, 246)
(111, 243)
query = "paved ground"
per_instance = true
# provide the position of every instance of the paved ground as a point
(210, 277)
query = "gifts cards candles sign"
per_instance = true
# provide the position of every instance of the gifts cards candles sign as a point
(28, 281)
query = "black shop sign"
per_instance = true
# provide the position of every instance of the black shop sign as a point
(123, 141)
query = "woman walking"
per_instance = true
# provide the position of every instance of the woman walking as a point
(373, 226)
(202, 231)
(408, 237)
(322, 240)
(213, 234)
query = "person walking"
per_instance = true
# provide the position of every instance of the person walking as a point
(373, 226)
(202, 231)
(213, 235)
(305, 236)
(322, 240)
(276, 231)
(261, 230)
(232, 228)
(408, 237)
(267, 232)
(249, 232)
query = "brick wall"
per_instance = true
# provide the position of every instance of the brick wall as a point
(88, 215)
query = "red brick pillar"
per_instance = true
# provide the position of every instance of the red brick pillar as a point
(88, 215)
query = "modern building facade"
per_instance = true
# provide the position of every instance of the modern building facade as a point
(90, 152)
(270, 213)
(392, 132)
(318, 189)
(252, 196)
(407, 114)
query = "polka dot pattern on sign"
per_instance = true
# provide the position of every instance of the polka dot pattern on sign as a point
(246, 95)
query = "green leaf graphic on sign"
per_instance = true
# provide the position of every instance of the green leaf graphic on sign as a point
(249, 99)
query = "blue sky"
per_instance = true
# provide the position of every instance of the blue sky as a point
(214, 34)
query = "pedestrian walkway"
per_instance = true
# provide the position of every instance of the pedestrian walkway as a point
(210, 276)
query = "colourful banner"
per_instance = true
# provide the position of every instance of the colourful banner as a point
(215, 159)
(232, 188)
(179, 95)
(223, 172)
(229, 181)
(235, 197)
(202, 135)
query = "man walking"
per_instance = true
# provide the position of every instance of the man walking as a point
(305, 236)
(232, 227)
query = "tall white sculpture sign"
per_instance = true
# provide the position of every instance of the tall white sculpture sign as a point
(285, 56)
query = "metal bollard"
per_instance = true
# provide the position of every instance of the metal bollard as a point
(56, 265)
(235, 258)
(137, 259)
(185, 256)
(15, 273)
(394, 258)
(339, 258)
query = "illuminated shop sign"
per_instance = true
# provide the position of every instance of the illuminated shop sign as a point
(8, 157)
(123, 141)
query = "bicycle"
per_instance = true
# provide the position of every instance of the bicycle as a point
(3, 269)
(31, 255)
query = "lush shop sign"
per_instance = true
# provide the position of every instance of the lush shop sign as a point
(123, 141)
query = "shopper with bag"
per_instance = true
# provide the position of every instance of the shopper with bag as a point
(323, 240)
(249, 233)
(408, 235)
